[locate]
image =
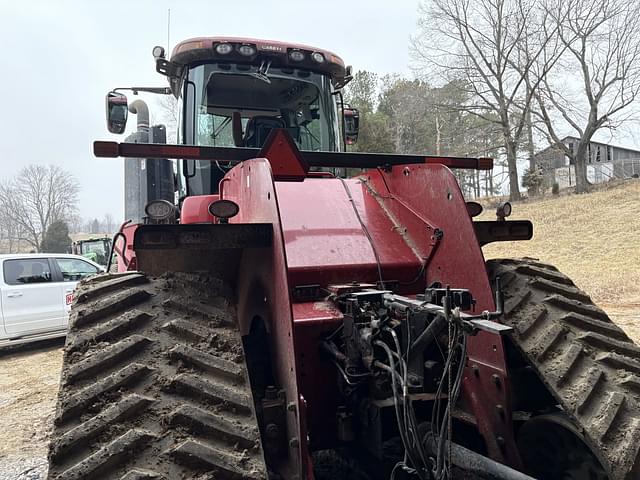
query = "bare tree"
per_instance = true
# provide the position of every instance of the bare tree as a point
(602, 56)
(481, 43)
(109, 223)
(167, 107)
(76, 223)
(37, 197)
(9, 230)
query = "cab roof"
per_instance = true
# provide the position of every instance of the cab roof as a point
(281, 54)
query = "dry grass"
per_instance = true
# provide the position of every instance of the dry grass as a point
(593, 238)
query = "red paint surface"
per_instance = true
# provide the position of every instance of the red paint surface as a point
(251, 186)
(326, 243)
(124, 247)
(196, 209)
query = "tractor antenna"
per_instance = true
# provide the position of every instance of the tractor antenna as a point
(168, 28)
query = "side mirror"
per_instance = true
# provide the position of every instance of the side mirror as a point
(351, 125)
(117, 112)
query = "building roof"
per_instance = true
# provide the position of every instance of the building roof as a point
(576, 139)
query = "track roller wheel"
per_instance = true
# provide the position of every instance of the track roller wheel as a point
(552, 447)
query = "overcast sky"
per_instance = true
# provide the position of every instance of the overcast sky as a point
(59, 58)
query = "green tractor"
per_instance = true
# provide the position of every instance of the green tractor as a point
(95, 249)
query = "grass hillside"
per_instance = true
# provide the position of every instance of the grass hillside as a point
(594, 238)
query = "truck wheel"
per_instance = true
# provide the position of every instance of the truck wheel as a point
(585, 361)
(154, 384)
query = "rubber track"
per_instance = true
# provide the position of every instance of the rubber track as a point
(586, 361)
(154, 384)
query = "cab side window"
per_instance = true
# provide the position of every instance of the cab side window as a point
(26, 271)
(74, 270)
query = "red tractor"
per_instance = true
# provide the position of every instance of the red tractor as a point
(280, 321)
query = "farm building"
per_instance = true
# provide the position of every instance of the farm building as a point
(605, 162)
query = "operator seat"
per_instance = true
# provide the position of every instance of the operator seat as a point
(258, 129)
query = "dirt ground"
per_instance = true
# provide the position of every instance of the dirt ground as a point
(28, 387)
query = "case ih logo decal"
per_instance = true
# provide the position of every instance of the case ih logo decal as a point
(271, 48)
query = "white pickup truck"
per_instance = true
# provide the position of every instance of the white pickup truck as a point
(36, 292)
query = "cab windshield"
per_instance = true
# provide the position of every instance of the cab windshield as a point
(228, 105)
(233, 107)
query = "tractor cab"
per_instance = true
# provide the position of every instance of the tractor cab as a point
(95, 249)
(233, 92)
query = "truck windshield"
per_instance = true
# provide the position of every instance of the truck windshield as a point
(227, 105)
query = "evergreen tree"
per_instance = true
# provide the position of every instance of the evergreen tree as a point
(56, 238)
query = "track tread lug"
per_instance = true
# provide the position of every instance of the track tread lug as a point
(578, 307)
(215, 316)
(609, 410)
(190, 416)
(188, 330)
(70, 404)
(588, 323)
(105, 307)
(546, 342)
(115, 452)
(227, 395)
(512, 305)
(107, 357)
(537, 271)
(228, 465)
(590, 387)
(141, 474)
(610, 344)
(208, 362)
(529, 323)
(111, 329)
(124, 408)
(632, 382)
(617, 361)
(571, 358)
(107, 285)
(566, 291)
(527, 261)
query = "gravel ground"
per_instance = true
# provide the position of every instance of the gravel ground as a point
(29, 384)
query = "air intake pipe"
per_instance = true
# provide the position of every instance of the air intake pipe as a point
(140, 108)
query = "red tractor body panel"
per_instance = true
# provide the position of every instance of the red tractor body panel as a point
(410, 219)
(196, 209)
(325, 241)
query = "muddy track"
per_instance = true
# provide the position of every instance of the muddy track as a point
(154, 384)
(588, 363)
